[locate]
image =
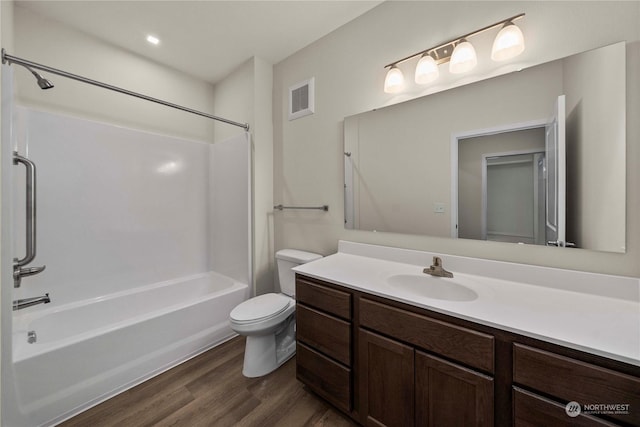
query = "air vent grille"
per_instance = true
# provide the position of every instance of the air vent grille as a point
(301, 99)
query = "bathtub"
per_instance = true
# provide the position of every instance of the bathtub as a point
(86, 352)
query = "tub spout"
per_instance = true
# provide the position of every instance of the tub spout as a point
(28, 302)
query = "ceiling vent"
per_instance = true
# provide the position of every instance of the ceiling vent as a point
(301, 99)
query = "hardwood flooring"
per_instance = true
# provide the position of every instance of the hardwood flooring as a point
(210, 390)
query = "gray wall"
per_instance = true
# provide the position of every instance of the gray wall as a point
(592, 181)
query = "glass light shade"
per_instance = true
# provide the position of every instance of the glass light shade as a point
(508, 43)
(463, 58)
(394, 82)
(426, 70)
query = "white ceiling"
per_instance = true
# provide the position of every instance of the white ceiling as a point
(206, 39)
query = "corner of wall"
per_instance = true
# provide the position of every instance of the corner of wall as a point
(263, 176)
(246, 95)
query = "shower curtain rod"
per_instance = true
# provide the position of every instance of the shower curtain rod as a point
(24, 62)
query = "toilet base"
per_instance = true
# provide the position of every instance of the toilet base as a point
(265, 353)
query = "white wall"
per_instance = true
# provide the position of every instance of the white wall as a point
(230, 207)
(264, 262)
(348, 67)
(51, 43)
(246, 96)
(233, 99)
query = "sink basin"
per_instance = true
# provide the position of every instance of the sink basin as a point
(432, 287)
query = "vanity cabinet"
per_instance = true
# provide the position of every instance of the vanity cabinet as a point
(386, 363)
(403, 385)
(324, 341)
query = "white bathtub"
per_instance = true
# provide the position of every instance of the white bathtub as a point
(88, 351)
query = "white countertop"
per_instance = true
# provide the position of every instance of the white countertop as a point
(585, 320)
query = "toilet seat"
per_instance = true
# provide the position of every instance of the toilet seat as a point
(260, 308)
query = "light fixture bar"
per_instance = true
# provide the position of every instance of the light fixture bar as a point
(451, 42)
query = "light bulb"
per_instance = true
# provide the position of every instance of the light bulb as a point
(508, 43)
(463, 58)
(394, 81)
(426, 70)
(153, 40)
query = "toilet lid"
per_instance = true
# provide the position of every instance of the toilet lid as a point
(260, 308)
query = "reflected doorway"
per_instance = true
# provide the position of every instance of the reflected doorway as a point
(501, 186)
(513, 198)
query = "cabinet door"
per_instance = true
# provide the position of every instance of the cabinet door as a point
(450, 395)
(386, 381)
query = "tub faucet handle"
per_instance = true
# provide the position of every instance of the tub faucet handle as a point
(20, 272)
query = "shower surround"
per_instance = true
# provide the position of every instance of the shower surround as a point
(147, 243)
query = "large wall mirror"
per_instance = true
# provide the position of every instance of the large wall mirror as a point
(531, 157)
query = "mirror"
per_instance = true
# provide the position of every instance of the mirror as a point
(485, 161)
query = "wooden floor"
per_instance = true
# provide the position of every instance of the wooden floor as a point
(210, 390)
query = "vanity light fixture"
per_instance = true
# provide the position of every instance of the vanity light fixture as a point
(394, 82)
(426, 70)
(463, 58)
(509, 43)
(460, 54)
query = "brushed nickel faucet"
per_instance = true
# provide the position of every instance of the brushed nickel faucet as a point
(437, 270)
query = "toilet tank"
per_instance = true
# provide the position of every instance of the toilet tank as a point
(286, 260)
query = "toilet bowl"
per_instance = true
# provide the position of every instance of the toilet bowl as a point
(268, 321)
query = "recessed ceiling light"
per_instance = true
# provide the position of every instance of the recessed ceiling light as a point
(153, 40)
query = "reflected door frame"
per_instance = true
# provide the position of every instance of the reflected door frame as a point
(455, 140)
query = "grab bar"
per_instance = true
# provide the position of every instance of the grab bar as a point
(31, 209)
(18, 271)
(322, 208)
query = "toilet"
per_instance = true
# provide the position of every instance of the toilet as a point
(268, 321)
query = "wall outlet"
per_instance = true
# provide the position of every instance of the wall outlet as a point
(438, 207)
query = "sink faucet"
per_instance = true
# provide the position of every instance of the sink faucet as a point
(28, 302)
(436, 269)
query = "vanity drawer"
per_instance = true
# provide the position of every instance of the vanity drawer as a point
(531, 410)
(466, 346)
(329, 379)
(325, 333)
(324, 298)
(573, 380)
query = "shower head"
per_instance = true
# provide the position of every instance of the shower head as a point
(42, 82)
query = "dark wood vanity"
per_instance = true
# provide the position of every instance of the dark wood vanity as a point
(386, 363)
